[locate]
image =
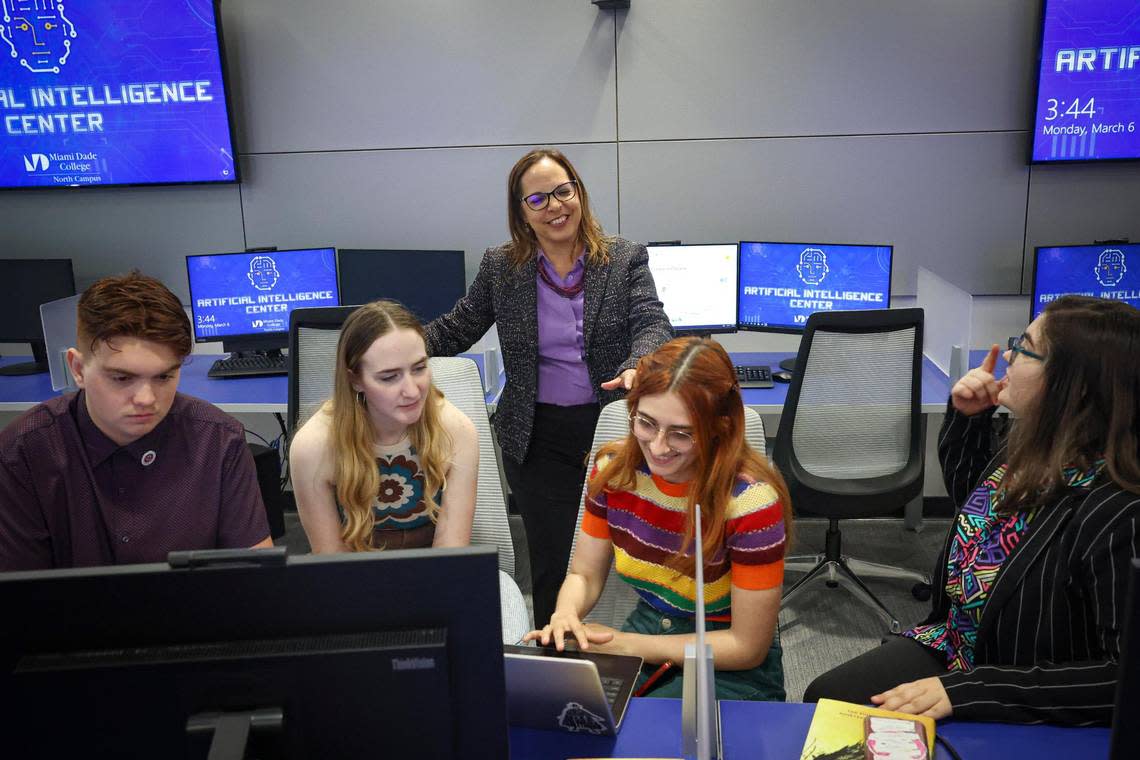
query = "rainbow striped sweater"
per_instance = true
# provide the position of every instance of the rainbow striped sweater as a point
(647, 525)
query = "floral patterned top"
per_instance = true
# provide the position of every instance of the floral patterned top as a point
(400, 502)
(983, 539)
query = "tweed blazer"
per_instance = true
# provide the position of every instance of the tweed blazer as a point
(1049, 637)
(622, 318)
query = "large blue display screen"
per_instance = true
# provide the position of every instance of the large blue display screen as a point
(112, 92)
(234, 294)
(1088, 95)
(782, 284)
(1102, 271)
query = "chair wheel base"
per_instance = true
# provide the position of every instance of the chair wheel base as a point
(921, 591)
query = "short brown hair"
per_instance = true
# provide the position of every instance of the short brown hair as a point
(524, 245)
(135, 306)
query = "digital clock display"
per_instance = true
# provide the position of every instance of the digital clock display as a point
(1088, 95)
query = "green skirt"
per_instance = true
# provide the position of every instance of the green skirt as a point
(763, 683)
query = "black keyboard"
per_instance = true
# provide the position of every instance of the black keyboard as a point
(754, 375)
(250, 366)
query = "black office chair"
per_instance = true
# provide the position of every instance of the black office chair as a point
(850, 442)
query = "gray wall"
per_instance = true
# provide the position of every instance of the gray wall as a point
(377, 123)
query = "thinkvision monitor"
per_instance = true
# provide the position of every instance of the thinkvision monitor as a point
(244, 299)
(782, 284)
(697, 285)
(378, 654)
(1109, 271)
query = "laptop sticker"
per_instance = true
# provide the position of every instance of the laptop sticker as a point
(574, 717)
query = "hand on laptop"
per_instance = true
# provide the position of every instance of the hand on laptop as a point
(563, 623)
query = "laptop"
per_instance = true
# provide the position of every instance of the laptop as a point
(580, 692)
(1125, 742)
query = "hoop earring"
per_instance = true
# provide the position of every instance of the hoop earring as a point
(361, 399)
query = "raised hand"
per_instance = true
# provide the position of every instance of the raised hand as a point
(978, 389)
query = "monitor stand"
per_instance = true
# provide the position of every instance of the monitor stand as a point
(788, 364)
(38, 364)
(231, 730)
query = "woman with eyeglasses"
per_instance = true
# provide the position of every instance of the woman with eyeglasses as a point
(574, 311)
(1030, 585)
(686, 447)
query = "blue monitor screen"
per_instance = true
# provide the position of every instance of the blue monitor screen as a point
(1102, 271)
(112, 92)
(1088, 92)
(782, 284)
(243, 294)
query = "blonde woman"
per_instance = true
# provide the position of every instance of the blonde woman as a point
(387, 462)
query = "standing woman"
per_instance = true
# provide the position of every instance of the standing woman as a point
(1032, 580)
(575, 310)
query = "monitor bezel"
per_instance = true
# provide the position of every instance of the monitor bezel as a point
(799, 330)
(230, 109)
(701, 329)
(263, 338)
(1032, 142)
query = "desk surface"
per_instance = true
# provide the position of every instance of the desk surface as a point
(776, 731)
(233, 395)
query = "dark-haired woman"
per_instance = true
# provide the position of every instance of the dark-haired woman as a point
(1032, 581)
(575, 310)
(685, 448)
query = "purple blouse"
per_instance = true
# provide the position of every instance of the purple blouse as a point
(562, 375)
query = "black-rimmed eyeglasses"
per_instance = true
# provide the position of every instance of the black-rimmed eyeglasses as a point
(647, 430)
(538, 201)
(1016, 345)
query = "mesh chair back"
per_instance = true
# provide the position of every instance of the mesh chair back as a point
(849, 442)
(313, 335)
(618, 598)
(458, 379)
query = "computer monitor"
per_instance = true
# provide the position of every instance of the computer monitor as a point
(379, 654)
(1104, 271)
(244, 299)
(697, 285)
(782, 284)
(27, 284)
(427, 282)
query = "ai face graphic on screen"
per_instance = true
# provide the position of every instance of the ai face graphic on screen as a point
(1088, 96)
(1101, 271)
(782, 284)
(112, 92)
(235, 294)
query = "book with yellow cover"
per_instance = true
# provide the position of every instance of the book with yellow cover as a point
(845, 731)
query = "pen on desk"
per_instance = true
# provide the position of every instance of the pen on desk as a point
(653, 678)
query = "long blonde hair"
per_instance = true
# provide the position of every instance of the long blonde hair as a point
(353, 437)
(524, 245)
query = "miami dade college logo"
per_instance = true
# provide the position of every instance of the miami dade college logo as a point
(36, 162)
(37, 32)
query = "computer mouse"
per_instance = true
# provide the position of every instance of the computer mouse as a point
(782, 376)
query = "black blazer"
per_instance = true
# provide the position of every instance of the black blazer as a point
(622, 321)
(1049, 636)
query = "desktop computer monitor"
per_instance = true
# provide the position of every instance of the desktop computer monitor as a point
(1104, 271)
(379, 654)
(427, 282)
(782, 284)
(697, 285)
(28, 283)
(244, 299)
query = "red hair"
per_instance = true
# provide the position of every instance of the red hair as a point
(701, 373)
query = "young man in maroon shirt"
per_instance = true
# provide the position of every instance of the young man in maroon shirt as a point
(127, 469)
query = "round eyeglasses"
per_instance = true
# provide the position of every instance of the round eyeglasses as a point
(564, 192)
(1016, 345)
(647, 430)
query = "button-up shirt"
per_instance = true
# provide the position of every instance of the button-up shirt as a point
(72, 497)
(563, 378)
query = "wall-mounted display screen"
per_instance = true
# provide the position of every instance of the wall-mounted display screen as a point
(1101, 271)
(1088, 91)
(112, 92)
(782, 284)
